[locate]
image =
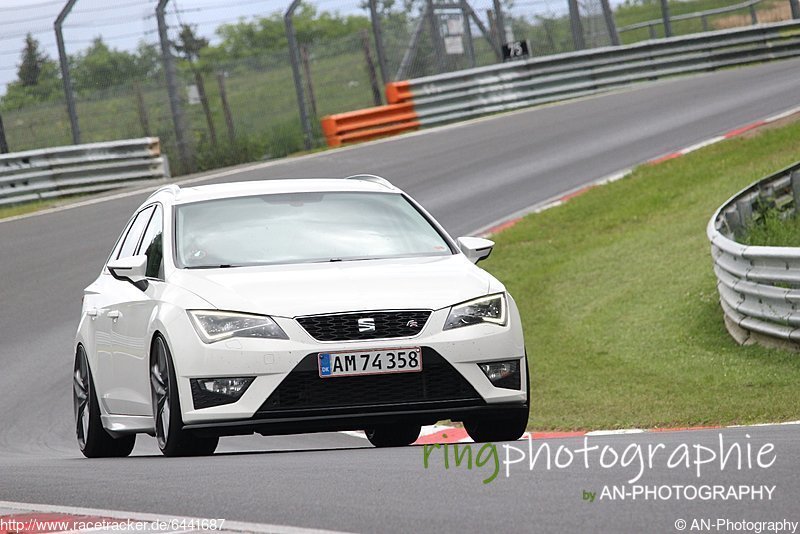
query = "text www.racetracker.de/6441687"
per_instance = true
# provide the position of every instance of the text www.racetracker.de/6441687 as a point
(10, 524)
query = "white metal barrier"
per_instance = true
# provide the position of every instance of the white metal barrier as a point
(79, 169)
(759, 287)
(468, 93)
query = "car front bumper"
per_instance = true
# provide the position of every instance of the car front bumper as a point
(273, 363)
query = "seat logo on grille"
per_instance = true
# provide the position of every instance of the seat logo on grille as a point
(366, 324)
(412, 324)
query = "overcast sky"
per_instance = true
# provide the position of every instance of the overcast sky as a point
(123, 23)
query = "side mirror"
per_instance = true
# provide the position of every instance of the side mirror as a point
(131, 269)
(475, 248)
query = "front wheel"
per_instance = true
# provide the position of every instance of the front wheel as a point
(93, 439)
(508, 427)
(393, 435)
(172, 439)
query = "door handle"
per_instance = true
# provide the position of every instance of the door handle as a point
(114, 314)
(91, 312)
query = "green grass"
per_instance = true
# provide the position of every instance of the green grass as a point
(619, 302)
(29, 207)
(773, 229)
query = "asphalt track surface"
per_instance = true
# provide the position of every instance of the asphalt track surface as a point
(468, 176)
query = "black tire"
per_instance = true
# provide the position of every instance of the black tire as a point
(503, 428)
(172, 439)
(393, 435)
(93, 440)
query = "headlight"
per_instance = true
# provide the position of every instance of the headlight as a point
(490, 309)
(214, 326)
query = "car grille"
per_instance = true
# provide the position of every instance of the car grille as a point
(346, 326)
(304, 389)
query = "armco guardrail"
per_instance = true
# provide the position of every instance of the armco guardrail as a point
(79, 169)
(702, 15)
(469, 93)
(759, 287)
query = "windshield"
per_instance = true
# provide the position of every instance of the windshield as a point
(302, 228)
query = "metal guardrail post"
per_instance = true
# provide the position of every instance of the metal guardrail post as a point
(65, 78)
(377, 33)
(294, 58)
(575, 25)
(665, 18)
(795, 6)
(170, 72)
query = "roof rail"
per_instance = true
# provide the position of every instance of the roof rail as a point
(371, 178)
(174, 188)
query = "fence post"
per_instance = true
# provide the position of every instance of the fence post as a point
(378, 35)
(143, 119)
(294, 54)
(500, 23)
(436, 37)
(665, 18)
(468, 33)
(373, 76)
(610, 23)
(309, 80)
(795, 5)
(411, 49)
(3, 142)
(575, 25)
(201, 92)
(65, 78)
(753, 14)
(488, 35)
(170, 72)
(226, 108)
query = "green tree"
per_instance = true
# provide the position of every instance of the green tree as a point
(33, 61)
(101, 67)
(37, 78)
(147, 61)
(268, 34)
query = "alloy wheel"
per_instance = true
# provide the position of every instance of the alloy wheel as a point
(80, 397)
(160, 384)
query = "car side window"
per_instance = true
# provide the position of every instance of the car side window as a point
(152, 245)
(131, 241)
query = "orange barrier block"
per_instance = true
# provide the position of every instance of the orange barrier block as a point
(398, 92)
(370, 123)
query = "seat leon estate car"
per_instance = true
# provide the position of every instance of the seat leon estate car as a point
(293, 306)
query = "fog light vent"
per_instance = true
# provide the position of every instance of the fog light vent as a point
(503, 374)
(208, 392)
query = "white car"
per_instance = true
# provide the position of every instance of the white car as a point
(291, 306)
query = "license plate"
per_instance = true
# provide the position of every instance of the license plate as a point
(369, 362)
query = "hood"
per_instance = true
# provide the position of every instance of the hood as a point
(317, 288)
